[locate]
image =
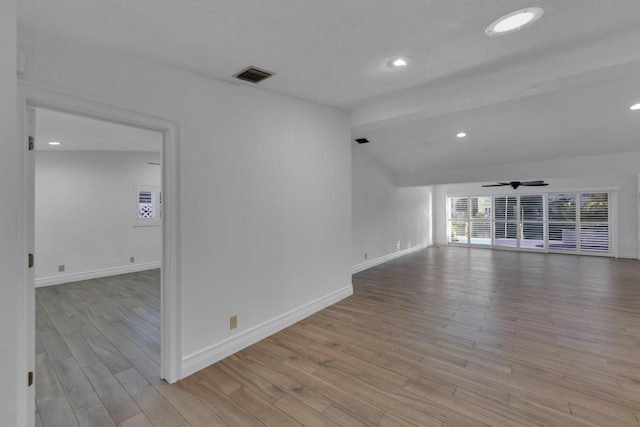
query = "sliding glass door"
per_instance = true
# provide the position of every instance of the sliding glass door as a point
(554, 222)
(562, 222)
(506, 221)
(519, 221)
(470, 220)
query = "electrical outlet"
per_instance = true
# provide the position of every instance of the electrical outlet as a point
(132, 259)
(233, 321)
(60, 268)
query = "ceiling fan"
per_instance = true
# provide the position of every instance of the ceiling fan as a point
(516, 184)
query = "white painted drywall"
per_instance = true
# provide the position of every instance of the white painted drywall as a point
(265, 198)
(10, 267)
(85, 206)
(386, 219)
(612, 164)
(626, 205)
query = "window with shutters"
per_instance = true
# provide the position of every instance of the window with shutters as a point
(458, 223)
(578, 222)
(480, 220)
(148, 205)
(594, 222)
(562, 222)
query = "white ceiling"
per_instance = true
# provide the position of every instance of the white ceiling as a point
(78, 133)
(558, 88)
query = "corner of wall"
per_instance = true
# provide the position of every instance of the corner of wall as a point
(381, 260)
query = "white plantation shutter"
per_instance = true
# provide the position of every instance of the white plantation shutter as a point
(506, 215)
(148, 207)
(594, 222)
(480, 220)
(458, 219)
(532, 221)
(562, 222)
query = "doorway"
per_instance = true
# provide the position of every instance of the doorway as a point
(32, 97)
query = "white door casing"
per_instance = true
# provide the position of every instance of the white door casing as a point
(31, 96)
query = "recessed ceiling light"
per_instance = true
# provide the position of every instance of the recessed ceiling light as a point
(461, 135)
(635, 107)
(514, 21)
(400, 62)
(54, 143)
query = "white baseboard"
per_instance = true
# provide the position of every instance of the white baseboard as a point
(95, 274)
(208, 356)
(629, 255)
(381, 260)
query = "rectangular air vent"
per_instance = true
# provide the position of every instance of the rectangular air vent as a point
(362, 140)
(253, 74)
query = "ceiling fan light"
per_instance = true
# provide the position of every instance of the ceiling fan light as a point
(635, 107)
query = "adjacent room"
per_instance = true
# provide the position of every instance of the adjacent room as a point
(98, 238)
(415, 213)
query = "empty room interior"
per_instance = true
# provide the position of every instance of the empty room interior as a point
(355, 213)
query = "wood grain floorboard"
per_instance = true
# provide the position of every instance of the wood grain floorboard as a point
(80, 352)
(443, 337)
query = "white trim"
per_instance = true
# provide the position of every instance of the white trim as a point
(36, 95)
(381, 260)
(201, 359)
(25, 347)
(95, 274)
(627, 254)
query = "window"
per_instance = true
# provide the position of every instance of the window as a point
(459, 219)
(506, 215)
(470, 220)
(480, 220)
(574, 222)
(148, 205)
(531, 210)
(562, 222)
(594, 222)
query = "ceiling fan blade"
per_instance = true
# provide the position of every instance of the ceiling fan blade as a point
(496, 185)
(542, 184)
(537, 182)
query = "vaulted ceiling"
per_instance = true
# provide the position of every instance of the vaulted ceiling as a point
(559, 88)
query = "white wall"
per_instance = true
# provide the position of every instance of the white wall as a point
(626, 206)
(265, 200)
(387, 221)
(612, 164)
(85, 204)
(10, 267)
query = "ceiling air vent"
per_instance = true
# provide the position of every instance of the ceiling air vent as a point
(253, 74)
(362, 140)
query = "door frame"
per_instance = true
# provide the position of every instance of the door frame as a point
(32, 95)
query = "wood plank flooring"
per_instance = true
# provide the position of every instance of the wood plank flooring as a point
(97, 343)
(442, 337)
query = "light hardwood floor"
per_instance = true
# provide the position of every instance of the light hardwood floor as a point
(442, 337)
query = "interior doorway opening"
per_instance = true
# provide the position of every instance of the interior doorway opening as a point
(98, 240)
(32, 97)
